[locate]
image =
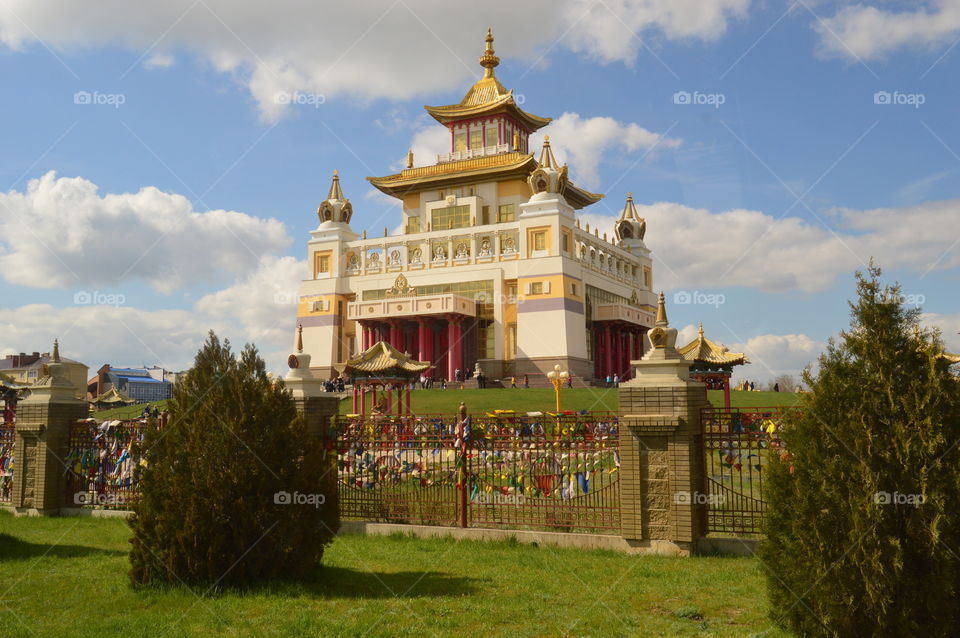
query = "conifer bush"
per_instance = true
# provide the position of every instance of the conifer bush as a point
(215, 504)
(863, 519)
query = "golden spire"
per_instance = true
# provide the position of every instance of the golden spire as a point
(299, 337)
(662, 311)
(56, 351)
(410, 158)
(701, 330)
(488, 60)
(335, 192)
(546, 155)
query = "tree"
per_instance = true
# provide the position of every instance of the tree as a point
(216, 492)
(863, 525)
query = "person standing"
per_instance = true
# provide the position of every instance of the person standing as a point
(513, 382)
(616, 380)
(526, 381)
(609, 381)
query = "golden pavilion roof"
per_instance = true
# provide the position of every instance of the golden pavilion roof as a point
(702, 350)
(382, 358)
(113, 397)
(487, 97)
(493, 167)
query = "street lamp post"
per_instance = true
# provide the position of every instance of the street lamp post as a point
(557, 378)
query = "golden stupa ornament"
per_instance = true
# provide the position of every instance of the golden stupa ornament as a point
(488, 60)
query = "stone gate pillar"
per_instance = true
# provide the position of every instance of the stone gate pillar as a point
(43, 429)
(660, 448)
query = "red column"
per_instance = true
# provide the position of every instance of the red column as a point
(607, 352)
(422, 330)
(452, 345)
(354, 399)
(726, 393)
(409, 411)
(363, 400)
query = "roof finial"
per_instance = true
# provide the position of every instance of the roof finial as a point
(56, 351)
(488, 60)
(299, 338)
(662, 312)
(335, 191)
(410, 158)
(701, 330)
(546, 155)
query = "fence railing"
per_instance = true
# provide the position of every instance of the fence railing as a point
(103, 462)
(738, 445)
(8, 441)
(505, 469)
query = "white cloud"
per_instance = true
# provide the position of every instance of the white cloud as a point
(949, 327)
(372, 49)
(158, 61)
(260, 307)
(60, 232)
(695, 248)
(427, 143)
(585, 142)
(617, 29)
(773, 355)
(868, 32)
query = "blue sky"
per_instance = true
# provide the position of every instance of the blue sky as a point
(767, 201)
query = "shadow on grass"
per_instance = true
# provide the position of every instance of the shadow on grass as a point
(343, 582)
(13, 548)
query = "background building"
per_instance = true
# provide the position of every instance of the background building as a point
(27, 368)
(492, 268)
(140, 384)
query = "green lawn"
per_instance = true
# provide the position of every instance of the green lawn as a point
(522, 400)
(532, 399)
(67, 577)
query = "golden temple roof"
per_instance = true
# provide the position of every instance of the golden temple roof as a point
(381, 357)
(702, 350)
(496, 167)
(113, 397)
(486, 97)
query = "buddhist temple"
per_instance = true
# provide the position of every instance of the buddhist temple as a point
(492, 270)
(712, 363)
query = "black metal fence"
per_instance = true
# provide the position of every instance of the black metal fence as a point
(507, 470)
(738, 446)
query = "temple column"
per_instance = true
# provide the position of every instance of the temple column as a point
(423, 333)
(726, 393)
(452, 345)
(607, 352)
(363, 401)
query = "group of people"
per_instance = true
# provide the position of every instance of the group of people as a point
(614, 381)
(333, 385)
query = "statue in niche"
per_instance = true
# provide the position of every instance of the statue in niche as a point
(485, 247)
(395, 258)
(508, 246)
(373, 259)
(416, 256)
(439, 254)
(462, 252)
(353, 262)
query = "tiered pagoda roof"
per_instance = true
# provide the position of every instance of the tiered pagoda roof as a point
(383, 361)
(487, 97)
(113, 397)
(705, 352)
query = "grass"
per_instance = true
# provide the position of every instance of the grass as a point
(128, 411)
(67, 577)
(522, 400)
(533, 399)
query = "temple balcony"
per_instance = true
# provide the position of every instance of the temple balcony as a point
(470, 153)
(623, 313)
(411, 306)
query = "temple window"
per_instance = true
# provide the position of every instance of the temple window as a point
(565, 242)
(536, 288)
(507, 213)
(450, 217)
(476, 138)
(540, 240)
(491, 136)
(460, 141)
(413, 225)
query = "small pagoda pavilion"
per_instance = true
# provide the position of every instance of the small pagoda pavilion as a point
(382, 369)
(112, 398)
(712, 363)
